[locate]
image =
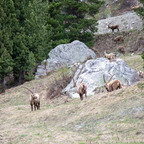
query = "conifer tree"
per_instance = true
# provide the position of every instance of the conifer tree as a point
(73, 19)
(7, 20)
(55, 25)
(6, 65)
(23, 34)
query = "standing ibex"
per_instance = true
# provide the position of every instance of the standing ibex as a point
(109, 56)
(34, 99)
(113, 27)
(113, 85)
(81, 90)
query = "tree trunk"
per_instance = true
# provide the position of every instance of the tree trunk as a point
(20, 77)
(3, 83)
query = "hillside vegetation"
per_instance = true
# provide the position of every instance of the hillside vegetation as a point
(115, 117)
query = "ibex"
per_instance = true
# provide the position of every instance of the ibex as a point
(34, 99)
(135, 7)
(119, 38)
(81, 90)
(121, 49)
(113, 27)
(141, 74)
(112, 85)
(109, 56)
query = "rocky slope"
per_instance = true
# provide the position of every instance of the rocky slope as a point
(133, 42)
(126, 22)
(113, 8)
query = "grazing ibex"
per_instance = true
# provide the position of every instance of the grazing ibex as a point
(81, 90)
(113, 27)
(141, 74)
(135, 7)
(119, 38)
(109, 56)
(113, 85)
(34, 99)
(121, 49)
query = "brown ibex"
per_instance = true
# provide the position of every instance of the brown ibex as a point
(81, 90)
(119, 38)
(34, 99)
(141, 74)
(109, 56)
(113, 27)
(121, 49)
(135, 7)
(112, 85)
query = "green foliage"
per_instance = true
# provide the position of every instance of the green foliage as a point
(23, 35)
(29, 29)
(6, 62)
(69, 20)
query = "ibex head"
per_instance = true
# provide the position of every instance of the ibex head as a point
(106, 85)
(32, 93)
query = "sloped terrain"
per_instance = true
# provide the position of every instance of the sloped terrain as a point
(133, 42)
(115, 117)
(113, 8)
(126, 22)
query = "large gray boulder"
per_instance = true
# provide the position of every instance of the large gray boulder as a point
(65, 55)
(92, 75)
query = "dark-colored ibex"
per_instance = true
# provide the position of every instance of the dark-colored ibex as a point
(113, 27)
(81, 90)
(119, 39)
(121, 49)
(34, 99)
(112, 85)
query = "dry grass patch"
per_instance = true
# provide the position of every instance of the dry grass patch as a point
(115, 117)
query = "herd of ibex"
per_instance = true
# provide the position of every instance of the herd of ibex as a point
(117, 39)
(82, 89)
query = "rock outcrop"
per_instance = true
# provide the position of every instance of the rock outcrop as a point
(126, 22)
(92, 75)
(65, 55)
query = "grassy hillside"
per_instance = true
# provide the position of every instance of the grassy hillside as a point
(116, 117)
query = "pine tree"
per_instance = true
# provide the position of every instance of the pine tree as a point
(69, 20)
(28, 38)
(6, 65)
(55, 26)
(7, 20)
